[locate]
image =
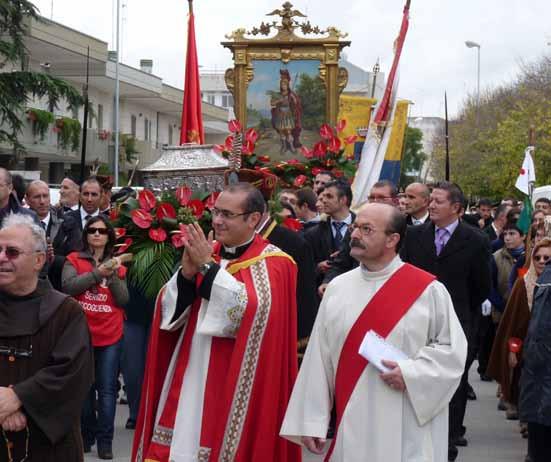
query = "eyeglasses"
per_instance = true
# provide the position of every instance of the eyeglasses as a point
(365, 230)
(102, 231)
(542, 257)
(12, 253)
(226, 214)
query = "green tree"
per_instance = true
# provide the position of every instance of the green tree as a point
(311, 91)
(414, 157)
(19, 87)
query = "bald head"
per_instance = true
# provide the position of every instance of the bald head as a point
(417, 200)
(377, 235)
(38, 198)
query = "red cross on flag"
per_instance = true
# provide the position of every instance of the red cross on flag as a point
(527, 172)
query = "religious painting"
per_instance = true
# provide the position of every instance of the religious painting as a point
(286, 105)
(288, 84)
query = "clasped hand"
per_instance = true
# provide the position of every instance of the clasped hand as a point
(11, 418)
(197, 250)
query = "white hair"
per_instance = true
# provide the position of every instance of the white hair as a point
(26, 221)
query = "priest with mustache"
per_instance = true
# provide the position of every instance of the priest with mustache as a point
(397, 411)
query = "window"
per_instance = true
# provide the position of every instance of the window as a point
(90, 112)
(210, 99)
(224, 100)
(170, 134)
(146, 128)
(100, 117)
(133, 125)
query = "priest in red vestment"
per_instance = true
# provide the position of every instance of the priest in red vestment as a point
(222, 359)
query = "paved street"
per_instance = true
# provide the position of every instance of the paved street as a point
(491, 437)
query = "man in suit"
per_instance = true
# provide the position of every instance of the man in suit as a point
(417, 203)
(321, 179)
(68, 195)
(327, 237)
(90, 199)
(495, 230)
(61, 238)
(459, 256)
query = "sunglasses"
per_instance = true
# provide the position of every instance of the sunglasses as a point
(12, 253)
(541, 257)
(102, 231)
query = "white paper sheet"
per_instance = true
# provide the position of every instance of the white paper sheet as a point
(375, 348)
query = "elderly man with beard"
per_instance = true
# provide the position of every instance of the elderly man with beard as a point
(45, 354)
(384, 413)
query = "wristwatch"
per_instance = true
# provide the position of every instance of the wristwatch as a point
(205, 267)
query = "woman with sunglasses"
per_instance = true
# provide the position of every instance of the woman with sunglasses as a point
(96, 279)
(505, 364)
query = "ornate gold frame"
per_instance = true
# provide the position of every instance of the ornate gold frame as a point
(286, 46)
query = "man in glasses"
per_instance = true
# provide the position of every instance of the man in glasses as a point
(223, 344)
(376, 402)
(45, 353)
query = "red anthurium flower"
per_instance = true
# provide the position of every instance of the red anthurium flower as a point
(334, 145)
(234, 126)
(341, 125)
(183, 194)
(293, 161)
(228, 143)
(264, 158)
(326, 132)
(247, 148)
(350, 139)
(338, 173)
(251, 135)
(141, 218)
(114, 213)
(211, 200)
(121, 248)
(165, 210)
(197, 207)
(308, 153)
(292, 223)
(320, 149)
(219, 148)
(157, 234)
(316, 171)
(179, 238)
(146, 199)
(120, 232)
(299, 181)
(329, 163)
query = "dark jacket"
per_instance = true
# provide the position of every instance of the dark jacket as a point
(463, 266)
(535, 381)
(15, 207)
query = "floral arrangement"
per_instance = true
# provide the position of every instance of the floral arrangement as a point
(41, 120)
(327, 154)
(153, 230)
(104, 135)
(68, 131)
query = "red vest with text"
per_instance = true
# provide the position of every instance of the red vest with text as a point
(105, 318)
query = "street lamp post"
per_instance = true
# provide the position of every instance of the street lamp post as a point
(471, 44)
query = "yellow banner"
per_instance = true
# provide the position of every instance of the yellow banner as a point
(356, 110)
(396, 143)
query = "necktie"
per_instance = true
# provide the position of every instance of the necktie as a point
(440, 242)
(338, 225)
(43, 225)
(87, 217)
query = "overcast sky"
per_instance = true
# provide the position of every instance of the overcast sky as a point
(434, 59)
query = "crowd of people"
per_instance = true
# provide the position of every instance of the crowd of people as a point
(211, 368)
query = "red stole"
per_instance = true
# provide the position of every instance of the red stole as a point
(249, 380)
(383, 312)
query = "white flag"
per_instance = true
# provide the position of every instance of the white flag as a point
(527, 172)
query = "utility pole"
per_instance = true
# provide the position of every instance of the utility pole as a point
(117, 97)
(85, 119)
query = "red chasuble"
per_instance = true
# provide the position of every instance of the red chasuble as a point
(250, 378)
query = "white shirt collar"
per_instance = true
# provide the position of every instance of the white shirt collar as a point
(46, 220)
(420, 221)
(84, 214)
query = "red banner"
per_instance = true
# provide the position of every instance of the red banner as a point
(192, 119)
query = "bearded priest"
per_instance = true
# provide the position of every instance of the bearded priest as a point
(222, 357)
(397, 411)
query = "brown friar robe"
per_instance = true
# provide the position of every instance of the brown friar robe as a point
(52, 383)
(514, 323)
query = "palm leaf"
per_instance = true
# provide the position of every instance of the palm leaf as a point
(152, 266)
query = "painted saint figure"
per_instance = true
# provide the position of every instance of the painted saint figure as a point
(286, 114)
